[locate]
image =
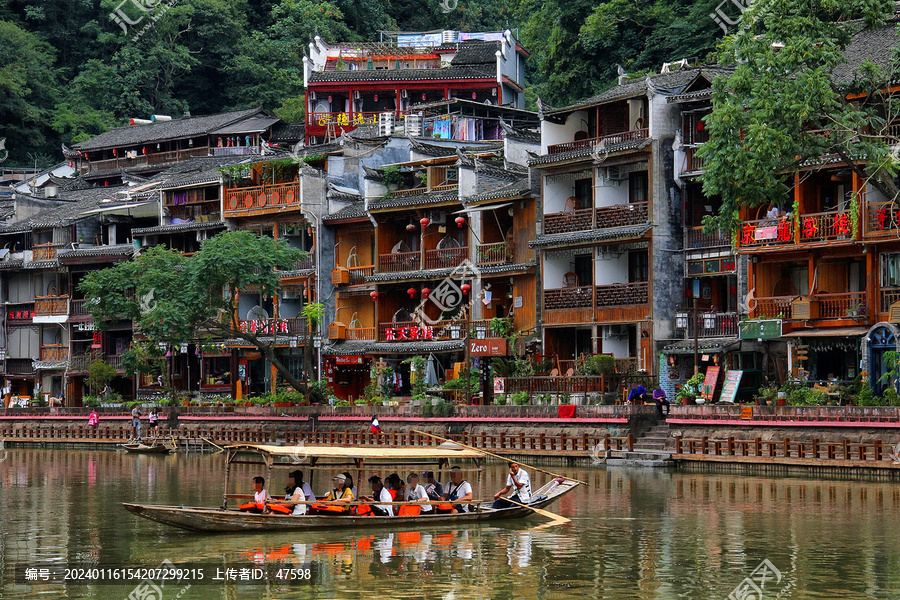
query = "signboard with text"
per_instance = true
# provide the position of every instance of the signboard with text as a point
(488, 347)
(760, 329)
(730, 386)
(709, 385)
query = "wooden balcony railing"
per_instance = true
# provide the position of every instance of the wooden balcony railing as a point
(402, 331)
(360, 333)
(397, 262)
(307, 263)
(79, 307)
(54, 352)
(155, 158)
(692, 162)
(446, 258)
(696, 238)
(358, 274)
(772, 307)
(497, 253)
(45, 252)
(607, 140)
(842, 306)
(621, 215)
(571, 297)
(888, 297)
(46, 306)
(882, 218)
(713, 325)
(19, 366)
(568, 221)
(293, 326)
(19, 311)
(261, 199)
(767, 232)
(623, 294)
(825, 226)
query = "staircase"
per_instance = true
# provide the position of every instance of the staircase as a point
(651, 449)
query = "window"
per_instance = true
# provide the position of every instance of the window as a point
(584, 268)
(890, 270)
(637, 187)
(583, 193)
(638, 267)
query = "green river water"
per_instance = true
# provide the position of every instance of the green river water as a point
(635, 534)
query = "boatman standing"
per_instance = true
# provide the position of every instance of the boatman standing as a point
(517, 480)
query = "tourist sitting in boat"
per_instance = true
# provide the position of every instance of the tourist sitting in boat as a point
(459, 493)
(517, 480)
(338, 498)
(260, 497)
(415, 492)
(379, 494)
(395, 487)
(297, 490)
(351, 484)
(434, 489)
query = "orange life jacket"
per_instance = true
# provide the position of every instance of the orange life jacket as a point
(336, 508)
(252, 506)
(280, 508)
(362, 510)
(408, 510)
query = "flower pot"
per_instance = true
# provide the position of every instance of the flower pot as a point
(781, 401)
(700, 401)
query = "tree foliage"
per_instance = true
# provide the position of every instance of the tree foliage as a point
(173, 299)
(781, 107)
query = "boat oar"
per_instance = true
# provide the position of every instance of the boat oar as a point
(544, 513)
(221, 449)
(509, 460)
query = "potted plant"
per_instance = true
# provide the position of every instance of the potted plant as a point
(689, 393)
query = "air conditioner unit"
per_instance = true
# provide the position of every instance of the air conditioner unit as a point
(290, 295)
(437, 217)
(312, 96)
(356, 95)
(404, 94)
(616, 174)
(413, 125)
(385, 123)
(615, 332)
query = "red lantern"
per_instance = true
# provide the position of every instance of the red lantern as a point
(374, 296)
(71, 163)
(465, 288)
(329, 99)
(424, 96)
(144, 150)
(460, 221)
(115, 151)
(411, 292)
(376, 98)
(474, 95)
(424, 221)
(426, 292)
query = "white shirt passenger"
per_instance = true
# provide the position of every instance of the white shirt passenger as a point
(385, 496)
(300, 495)
(458, 492)
(523, 492)
(418, 493)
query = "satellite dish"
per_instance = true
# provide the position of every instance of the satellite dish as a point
(257, 313)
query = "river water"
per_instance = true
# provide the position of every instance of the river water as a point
(635, 534)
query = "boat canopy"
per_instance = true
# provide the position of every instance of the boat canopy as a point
(425, 453)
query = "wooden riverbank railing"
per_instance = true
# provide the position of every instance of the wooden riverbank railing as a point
(785, 448)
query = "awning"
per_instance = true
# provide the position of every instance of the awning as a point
(147, 208)
(704, 346)
(481, 208)
(838, 332)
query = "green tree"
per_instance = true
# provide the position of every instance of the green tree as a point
(173, 299)
(100, 374)
(782, 106)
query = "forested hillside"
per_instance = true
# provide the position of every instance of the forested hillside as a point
(68, 71)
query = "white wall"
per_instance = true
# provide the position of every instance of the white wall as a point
(553, 272)
(551, 133)
(617, 346)
(609, 192)
(635, 110)
(556, 194)
(611, 268)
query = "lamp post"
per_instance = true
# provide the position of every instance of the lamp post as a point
(468, 369)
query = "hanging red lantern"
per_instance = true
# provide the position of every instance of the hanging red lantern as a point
(329, 99)
(424, 96)
(465, 288)
(460, 221)
(699, 125)
(376, 98)
(424, 221)
(71, 164)
(144, 150)
(374, 296)
(411, 292)
(87, 156)
(426, 292)
(474, 95)
(410, 227)
(115, 151)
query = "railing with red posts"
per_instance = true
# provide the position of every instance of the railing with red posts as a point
(245, 201)
(876, 451)
(358, 274)
(882, 218)
(496, 253)
(826, 226)
(888, 297)
(842, 306)
(695, 237)
(772, 307)
(604, 141)
(398, 262)
(766, 232)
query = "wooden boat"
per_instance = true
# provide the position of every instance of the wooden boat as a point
(140, 448)
(334, 460)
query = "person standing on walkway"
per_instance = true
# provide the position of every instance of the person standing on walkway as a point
(376, 428)
(136, 423)
(94, 419)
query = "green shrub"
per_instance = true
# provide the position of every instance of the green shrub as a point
(521, 398)
(500, 400)
(427, 410)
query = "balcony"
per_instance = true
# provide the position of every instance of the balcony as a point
(79, 308)
(846, 305)
(19, 366)
(398, 262)
(446, 258)
(888, 297)
(359, 334)
(882, 219)
(51, 306)
(262, 199)
(142, 160)
(606, 140)
(772, 307)
(402, 331)
(617, 215)
(263, 327)
(826, 226)
(692, 163)
(305, 264)
(54, 352)
(616, 294)
(571, 297)
(710, 325)
(695, 238)
(497, 253)
(767, 232)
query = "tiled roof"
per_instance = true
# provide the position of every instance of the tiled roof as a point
(115, 250)
(198, 171)
(526, 135)
(428, 274)
(415, 347)
(449, 73)
(476, 52)
(425, 199)
(876, 45)
(511, 190)
(68, 208)
(12, 264)
(559, 240)
(50, 365)
(620, 148)
(288, 132)
(41, 264)
(165, 130)
(178, 227)
(670, 83)
(345, 348)
(354, 211)
(707, 344)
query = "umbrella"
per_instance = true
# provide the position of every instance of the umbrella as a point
(431, 376)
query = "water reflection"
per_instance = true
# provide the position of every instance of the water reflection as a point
(643, 534)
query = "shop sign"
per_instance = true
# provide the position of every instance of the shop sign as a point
(348, 360)
(264, 326)
(760, 329)
(488, 347)
(499, 385)
(398, 334)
